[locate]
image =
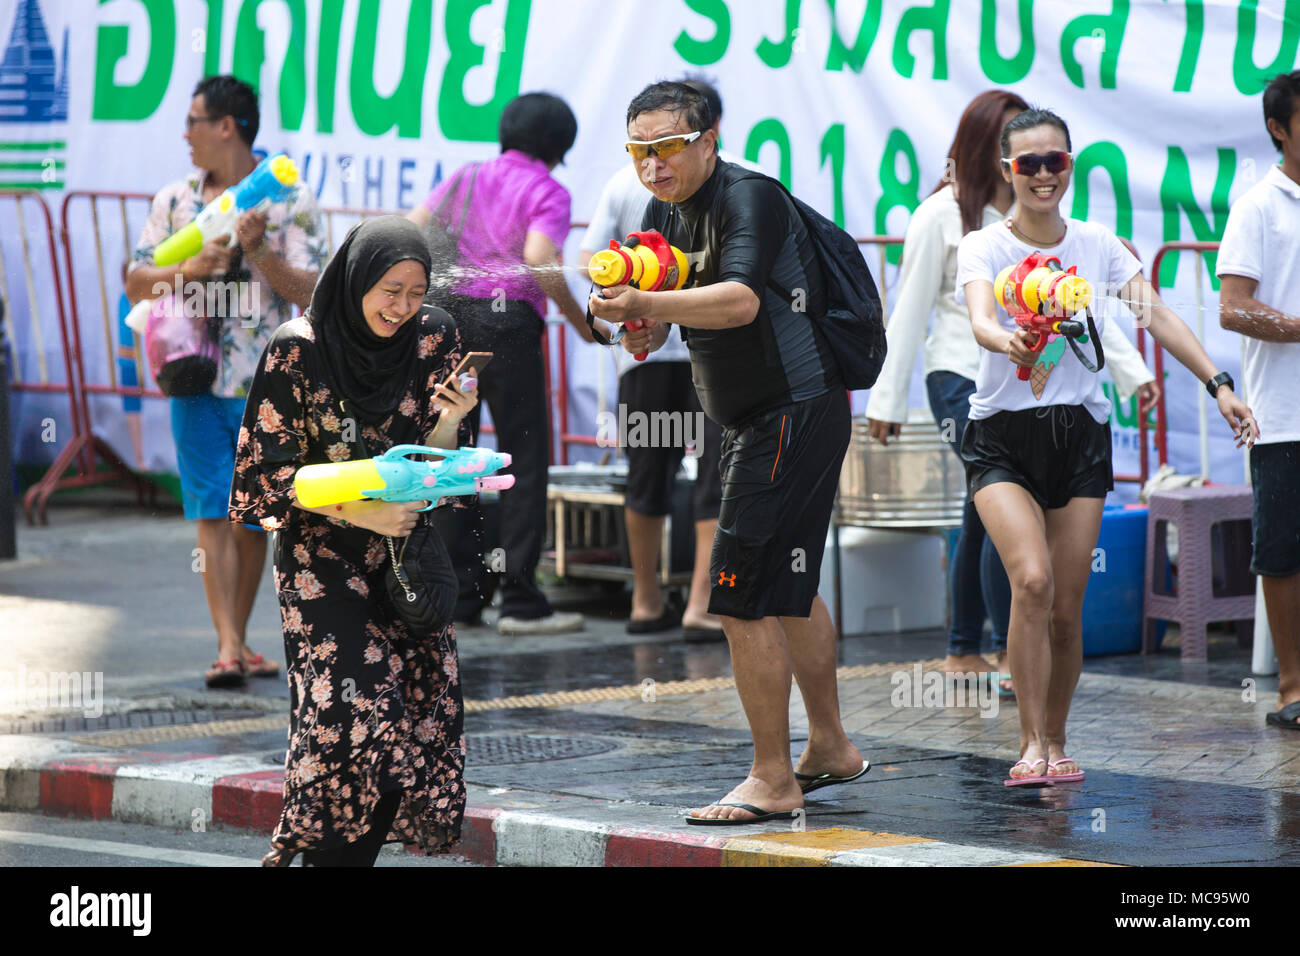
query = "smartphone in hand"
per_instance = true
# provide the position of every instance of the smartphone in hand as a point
(472, 360)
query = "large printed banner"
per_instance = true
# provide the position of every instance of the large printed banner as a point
(851, 102)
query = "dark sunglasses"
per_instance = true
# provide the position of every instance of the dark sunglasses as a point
(1029, 164)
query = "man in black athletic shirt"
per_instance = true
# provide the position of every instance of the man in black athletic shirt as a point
(763, 372)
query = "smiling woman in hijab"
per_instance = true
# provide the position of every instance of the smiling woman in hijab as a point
(376, 748)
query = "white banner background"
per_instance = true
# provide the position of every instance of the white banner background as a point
(1139, 75)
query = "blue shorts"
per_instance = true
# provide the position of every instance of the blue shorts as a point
(206, 430)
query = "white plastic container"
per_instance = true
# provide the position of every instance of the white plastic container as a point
(892, 580)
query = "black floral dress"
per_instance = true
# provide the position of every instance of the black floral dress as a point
(373, 709)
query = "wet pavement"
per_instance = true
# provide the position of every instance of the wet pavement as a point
(1181, 768)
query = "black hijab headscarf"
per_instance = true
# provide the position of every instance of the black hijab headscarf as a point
(369, 373)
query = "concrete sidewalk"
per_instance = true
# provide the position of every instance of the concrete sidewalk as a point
(589, 748)
(1177, 774)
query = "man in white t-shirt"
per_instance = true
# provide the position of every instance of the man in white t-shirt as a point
(1259, 267)
(661, 383)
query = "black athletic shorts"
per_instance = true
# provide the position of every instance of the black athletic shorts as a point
(1275, 521)
(1056, 452)
(780, 470)
(663, 396)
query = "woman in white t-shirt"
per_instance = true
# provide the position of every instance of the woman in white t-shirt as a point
(971, 195)
(1038, 452)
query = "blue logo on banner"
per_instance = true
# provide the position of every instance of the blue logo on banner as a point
(32, 91)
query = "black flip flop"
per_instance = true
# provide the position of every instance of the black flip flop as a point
(1286, 717)
(808, 783)
(666, 621)
(760, 816)
(703, 635)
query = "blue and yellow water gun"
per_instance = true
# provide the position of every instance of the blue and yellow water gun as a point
(395, 476)
(271, 182)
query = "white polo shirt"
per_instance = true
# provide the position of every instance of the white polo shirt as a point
(1262, 242)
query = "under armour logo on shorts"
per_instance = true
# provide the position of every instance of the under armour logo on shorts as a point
(722, 579)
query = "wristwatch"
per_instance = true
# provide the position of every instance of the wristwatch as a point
(1223, 378)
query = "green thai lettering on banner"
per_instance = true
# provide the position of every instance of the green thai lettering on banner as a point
(134, 101)
(250, 54)
(1104, 30)
(1176, 194)
(1110, 158)
(212, 38)
(896, 192)
(477, 122)
(855, 58)
(705, 52)
(998, 68)
(327, 63)
(770, 130)
(1249, 78)
(935, 20)
(777, 55)
(376, 114)
(832, 150)
(1191, 45)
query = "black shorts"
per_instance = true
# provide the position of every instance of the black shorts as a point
(1275, 521)
(1056, 453)
(780, 470)
(651, 390)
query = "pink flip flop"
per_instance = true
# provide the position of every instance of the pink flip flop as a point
(1035, 780)
(1064, 777)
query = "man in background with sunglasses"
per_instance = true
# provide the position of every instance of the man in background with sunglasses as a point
(764, 372)
(277, 254)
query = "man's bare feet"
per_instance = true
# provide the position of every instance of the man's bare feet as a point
(701, 618)
(842, 761)
(965, 664)
(756, 793)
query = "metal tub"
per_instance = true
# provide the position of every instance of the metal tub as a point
(916, 481)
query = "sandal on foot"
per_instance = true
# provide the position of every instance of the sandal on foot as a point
(1005, 692)
(759, 816)
(224, 674)
(1029, 780)
(1074, 777)
(809, 782)
(1286, 717)
(259, 666)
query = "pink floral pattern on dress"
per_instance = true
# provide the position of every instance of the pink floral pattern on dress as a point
(372, 709)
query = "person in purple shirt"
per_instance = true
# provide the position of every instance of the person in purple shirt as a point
(510, 219)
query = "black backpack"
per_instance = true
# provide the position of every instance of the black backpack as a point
(853, 323)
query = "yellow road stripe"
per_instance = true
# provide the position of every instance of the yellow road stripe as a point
(836, 839)
(750, 851)
(1065, 863)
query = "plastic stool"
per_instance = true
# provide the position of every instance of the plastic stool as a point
(1195, 511)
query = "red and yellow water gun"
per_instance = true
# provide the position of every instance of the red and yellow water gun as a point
(645, 261)
(1041, 296)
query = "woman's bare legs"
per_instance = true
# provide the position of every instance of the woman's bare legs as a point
(1018, 528)
(1071, 536)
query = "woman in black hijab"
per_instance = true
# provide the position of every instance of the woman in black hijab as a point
(376, 748)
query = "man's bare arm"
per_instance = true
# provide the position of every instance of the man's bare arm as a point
(1240, 311)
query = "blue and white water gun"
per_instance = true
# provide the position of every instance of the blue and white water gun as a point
(271, 182)
(395, 476)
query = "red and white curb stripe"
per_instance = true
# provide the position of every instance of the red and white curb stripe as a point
(506, 828)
